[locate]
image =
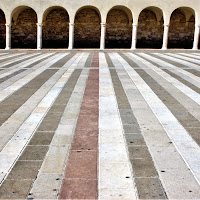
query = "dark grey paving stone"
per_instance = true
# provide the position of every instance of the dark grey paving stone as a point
(138, 152)
(134, 139)
(143, 168)
(15, 189)
(42, 138)
(129, 120)
(150, 188)
(131, 129)
(34, 153)
(25, 170)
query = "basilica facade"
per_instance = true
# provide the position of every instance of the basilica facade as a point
(103, 24)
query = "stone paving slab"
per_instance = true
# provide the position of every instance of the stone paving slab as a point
(107, 125)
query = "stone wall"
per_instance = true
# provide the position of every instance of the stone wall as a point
(56, 29)
(24, 30)
(2, 30)
(118, 30)
(181, 34)
(150, 31)
(87, 30)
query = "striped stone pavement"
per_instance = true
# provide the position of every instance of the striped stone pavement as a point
(113, 125)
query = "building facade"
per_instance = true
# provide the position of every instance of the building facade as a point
(100, 24)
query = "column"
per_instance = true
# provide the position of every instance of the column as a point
(39, 35)
(165, 36)
(71, 35)
(8, 36)
(103, 36)
(196, 37)
(134, 37)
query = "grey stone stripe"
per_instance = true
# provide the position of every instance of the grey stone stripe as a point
(186, 119)
(62, 61)
(89, 60)
(21, 60)
(25, 170)
(145, 173)
(17, 99)
(184, 67)
(11, 75)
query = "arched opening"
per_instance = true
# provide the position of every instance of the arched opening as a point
(2, 30)
(181, 30)
(24, 28)
(87, 29)
(119, 28)
(55, 28)
(150, 28)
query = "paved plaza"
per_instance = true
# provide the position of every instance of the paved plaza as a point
(108, 125)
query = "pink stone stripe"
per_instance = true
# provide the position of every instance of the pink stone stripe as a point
(95, 60)
(80, 178)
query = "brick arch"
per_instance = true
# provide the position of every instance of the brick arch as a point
(87, 29)
(181, 32)
(2, 30)
(56, 28)
(24, 29)
(118, 29)
(150, 30)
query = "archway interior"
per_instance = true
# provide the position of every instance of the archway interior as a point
(24, 28)
(150, 29)
(118, 29)
(2, 30)
(181, 31)
(87, 30)
(56, 29)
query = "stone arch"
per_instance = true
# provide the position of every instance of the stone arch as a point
(87, 28)
(2, 30)
(150, 28)
(119, 27)
(24, 28)
(181, 30)
(55, 28)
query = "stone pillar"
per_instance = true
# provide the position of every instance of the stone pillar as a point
(8, 36)
(196, 37)
(165, 36)
(39, 35)
(71, 35)
(134, 37)
(103, 36)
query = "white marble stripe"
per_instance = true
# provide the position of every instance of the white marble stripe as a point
(10, 127)
(185, 89)
(19, 141)
(2, 54)
(184, 58)
(10, 56)
(183, 62)
(20, 83)
(177, 176)
(186, 146)
(114, 164)
(55, 160)
(170, 66)
(17, 67)
(190, 55)
(198, 54)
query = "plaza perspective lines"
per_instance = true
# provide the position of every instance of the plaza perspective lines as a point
(99, 125)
